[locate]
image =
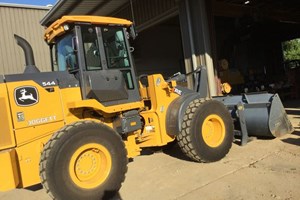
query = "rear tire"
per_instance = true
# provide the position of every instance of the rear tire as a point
(207, 131)
(84, 160)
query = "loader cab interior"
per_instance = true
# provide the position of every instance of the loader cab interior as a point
(99, 57)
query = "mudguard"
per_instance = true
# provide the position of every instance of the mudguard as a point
(176, 111)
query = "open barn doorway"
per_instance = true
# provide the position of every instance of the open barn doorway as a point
(158, 49)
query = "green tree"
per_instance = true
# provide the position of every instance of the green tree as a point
(291, 50)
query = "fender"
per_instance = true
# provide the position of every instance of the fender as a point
(176, 111)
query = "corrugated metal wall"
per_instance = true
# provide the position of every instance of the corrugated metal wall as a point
(25, 23)
(148, 12)
(158, 46)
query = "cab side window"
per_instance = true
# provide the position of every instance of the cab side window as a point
(115, 47)
(66, 56)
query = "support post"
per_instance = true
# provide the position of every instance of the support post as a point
(196, 38)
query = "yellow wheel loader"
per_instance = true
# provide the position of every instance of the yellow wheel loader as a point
(73, 129)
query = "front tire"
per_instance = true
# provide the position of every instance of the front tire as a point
(207, 131)
(84, 160)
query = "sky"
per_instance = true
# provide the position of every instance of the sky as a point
(30, 2)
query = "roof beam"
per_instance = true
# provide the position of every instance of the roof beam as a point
(72, 7)
(98, 7)
(230, 10)
(263, 11)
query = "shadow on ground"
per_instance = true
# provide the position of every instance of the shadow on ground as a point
(296, 132)
(172, 149)
(35, 187)
(110, 196)
(294, 103)
(293, 141)
(293, 112)
(117, 196)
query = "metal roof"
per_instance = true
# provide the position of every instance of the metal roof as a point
(81, 7)
(13, 5)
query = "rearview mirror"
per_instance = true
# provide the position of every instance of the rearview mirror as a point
(133, 32)
(74, 44)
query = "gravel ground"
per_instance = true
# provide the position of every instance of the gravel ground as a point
(263, 169)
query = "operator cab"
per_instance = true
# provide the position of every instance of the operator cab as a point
(96, 51)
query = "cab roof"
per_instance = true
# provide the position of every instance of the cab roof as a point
(57, 27)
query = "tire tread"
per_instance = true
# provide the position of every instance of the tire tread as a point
(50, 144)
(184, 137)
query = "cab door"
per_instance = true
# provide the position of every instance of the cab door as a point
(107, 68)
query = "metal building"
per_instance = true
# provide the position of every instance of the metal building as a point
(156, 58)
(24, 21)
(180, 35)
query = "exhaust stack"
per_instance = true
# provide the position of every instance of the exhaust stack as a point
(29, 58)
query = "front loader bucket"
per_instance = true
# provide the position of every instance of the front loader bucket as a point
(279, 123)
(258, 114)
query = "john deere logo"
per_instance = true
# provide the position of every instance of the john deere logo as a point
(26, 96)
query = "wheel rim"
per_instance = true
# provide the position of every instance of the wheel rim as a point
(213, 130)
(90, 165)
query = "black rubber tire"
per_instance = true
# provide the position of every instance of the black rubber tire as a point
(57, 154)
(190, 139)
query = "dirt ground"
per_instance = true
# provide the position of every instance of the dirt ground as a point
(263, 169)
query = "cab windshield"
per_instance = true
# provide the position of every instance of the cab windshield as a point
(115, 50)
